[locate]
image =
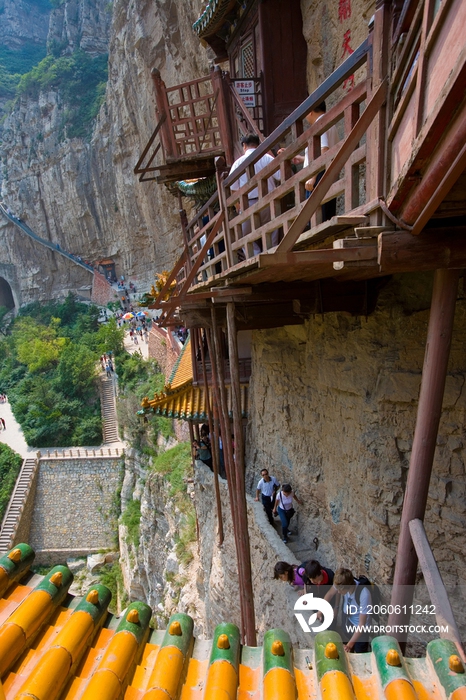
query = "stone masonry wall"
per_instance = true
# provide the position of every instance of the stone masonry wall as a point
(333, 409)
(102, 291)
(161, 350)
(24, 526)
(74, 507)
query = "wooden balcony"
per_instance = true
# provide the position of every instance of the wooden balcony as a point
(198, 121)
(387, 172)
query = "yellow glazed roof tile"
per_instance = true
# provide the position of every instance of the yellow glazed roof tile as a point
(150, 660)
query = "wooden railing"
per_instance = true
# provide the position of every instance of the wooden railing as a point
(197, 121)
(428, 80)
(216, 238)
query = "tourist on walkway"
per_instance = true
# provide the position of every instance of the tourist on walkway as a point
(317, 578)
(289, 573)
(357, 601)
(202, 451)
(267, 489)
(284, 506)
(249, 143)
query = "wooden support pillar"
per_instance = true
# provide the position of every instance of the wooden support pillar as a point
(376, 133)
(222, 93)
(163, 109)
(220, 172)
(191, 440)
(184, 230)
(247, 592)
(434, 373)
(214, 452)
(196, 431)
(229, 461)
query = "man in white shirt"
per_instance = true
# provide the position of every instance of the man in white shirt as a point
(267, 489)
(327, 140)
(249, 143)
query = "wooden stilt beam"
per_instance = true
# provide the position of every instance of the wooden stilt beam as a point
(434, 373)
(191, 440)
(216, 396)
(434, 582)
(214, 453)
(247, 592)
(229, 459)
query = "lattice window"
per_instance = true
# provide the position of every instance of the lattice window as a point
(247, 60)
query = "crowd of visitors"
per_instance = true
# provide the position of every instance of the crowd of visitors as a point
(352, 598)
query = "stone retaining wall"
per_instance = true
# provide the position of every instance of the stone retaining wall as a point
(162, 350)
(74, 509)
(102, 290)
(24, 526)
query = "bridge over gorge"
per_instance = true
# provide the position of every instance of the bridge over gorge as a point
(101, 291)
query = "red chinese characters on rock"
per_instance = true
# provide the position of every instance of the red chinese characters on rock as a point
(344, 9)
(347, 50)
(346, 44)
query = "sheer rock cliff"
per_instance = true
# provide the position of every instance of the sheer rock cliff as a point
(81, 193)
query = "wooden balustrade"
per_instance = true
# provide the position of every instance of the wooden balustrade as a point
(231, 247)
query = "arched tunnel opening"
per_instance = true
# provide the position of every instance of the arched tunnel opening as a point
(6, 295)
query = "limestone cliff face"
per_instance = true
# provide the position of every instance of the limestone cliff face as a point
(83, 194)
(335, 416)
(333, 30)
(81, 24)
(23, 22)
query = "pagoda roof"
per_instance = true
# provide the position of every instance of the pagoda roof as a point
(181, 399)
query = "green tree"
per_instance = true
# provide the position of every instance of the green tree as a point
(38, 347)
(76, 372)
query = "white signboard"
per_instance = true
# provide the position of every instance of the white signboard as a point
(245, 89)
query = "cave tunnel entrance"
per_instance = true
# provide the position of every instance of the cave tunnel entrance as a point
(6, 295)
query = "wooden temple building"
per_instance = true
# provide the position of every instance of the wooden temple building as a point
(397, 173)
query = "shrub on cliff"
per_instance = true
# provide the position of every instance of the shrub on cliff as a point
(139, 378)
(10, 464)
(81, 80)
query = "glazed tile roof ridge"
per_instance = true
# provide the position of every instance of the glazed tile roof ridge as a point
(182, 371)
(213, 16)
(55, 647)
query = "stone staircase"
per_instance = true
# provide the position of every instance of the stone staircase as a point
(18, 501)
(108, 406)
